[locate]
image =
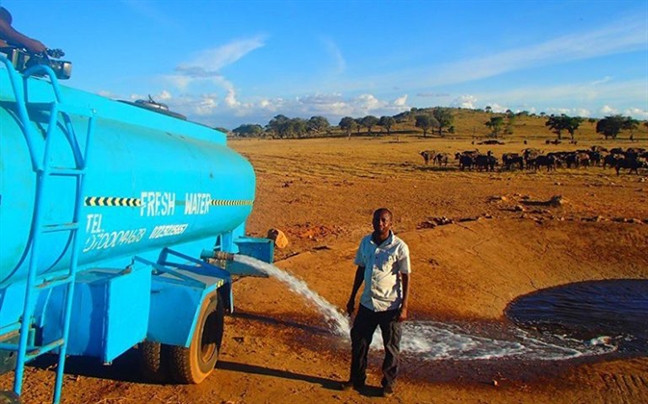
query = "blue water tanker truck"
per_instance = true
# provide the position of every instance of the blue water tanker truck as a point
(118, 224)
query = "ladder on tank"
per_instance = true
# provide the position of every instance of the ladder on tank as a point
(26, 349)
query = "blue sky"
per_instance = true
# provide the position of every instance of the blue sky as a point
(225, 63)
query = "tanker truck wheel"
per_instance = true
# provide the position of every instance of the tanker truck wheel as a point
(192, 365)
(154, 365)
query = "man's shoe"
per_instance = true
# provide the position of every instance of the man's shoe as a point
(349, 384)
(388, 391)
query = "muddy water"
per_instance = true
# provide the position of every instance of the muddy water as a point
(608, 311)
(428, 340)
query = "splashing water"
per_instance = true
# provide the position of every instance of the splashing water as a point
(430, 340)
(339, 321)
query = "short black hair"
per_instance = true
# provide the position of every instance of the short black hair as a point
(378, 211)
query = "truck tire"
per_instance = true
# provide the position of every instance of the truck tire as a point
(154, 365)
(192, 365)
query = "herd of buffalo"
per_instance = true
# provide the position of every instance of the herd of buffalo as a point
(633, 159)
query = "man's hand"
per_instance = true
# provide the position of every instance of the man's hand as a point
(351, 307)
(34, 46)
(403, 314)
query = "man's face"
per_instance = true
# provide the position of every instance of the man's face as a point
(382, 222)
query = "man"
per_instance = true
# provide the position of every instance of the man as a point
(8, 35)
(384, 266)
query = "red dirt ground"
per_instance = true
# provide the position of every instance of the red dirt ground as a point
(321, 193)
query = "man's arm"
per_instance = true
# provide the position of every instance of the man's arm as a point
(357, 282)
(403, 310)
(10, 35)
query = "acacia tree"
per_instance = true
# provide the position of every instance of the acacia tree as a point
(358, 122)
(630, 124)
(248, 130)
(444, 117)
(348, 124)
(298, 127)
(425, 122)
(563, 122)
(495, 125)
(387, 122)
(610, 126)
(280, 125)
(572, 125)
(369, 122)
(317, 124)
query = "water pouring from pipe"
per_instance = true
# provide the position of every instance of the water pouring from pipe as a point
(432, 340)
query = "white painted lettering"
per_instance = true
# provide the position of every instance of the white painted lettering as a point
(112, 239)
(197, 204)
(93, 223)
(156, 203)
(168, 230)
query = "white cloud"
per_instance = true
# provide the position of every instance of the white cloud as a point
(323, 104)
(336, 54)
(202, 73)
(495, 107)
(575, 99)
(601, 81)
(206, 105)
(228, 110)
(637, 113)
(401, 101)
(368, 102)
(209, 62)
(620, 36)
(163, 95)
(230, 99)
(569, 111)
(557, 111)
(270, 105)
(582, 112)
(465, 101)
(178, 81)
(107, 94)
(608, 110)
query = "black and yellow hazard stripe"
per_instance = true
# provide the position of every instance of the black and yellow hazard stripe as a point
(112, 201)
(231, 202)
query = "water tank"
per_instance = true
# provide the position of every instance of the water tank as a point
(151, 181)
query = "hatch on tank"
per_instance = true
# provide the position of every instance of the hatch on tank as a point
(155, 106)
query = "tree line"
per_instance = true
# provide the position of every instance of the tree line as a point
(438, 119)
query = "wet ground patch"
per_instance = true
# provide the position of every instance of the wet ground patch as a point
(603, 312)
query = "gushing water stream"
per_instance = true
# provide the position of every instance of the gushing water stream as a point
(432, 340)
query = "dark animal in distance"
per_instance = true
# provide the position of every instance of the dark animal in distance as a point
(548, 161)
(510, 160)
(530, 155)
(465, 160)
(612, 159)
(441, 158)
(491, 141)
(428, 155)
(632, 163)
(485, 162)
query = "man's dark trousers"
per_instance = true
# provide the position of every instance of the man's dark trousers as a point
(362, 332)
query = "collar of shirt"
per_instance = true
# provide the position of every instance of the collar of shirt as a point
(387, 242)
